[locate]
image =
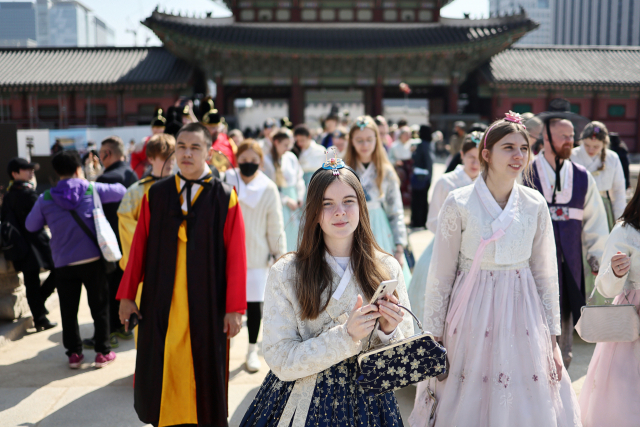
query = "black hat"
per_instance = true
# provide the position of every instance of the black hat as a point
(212, 117)
(158, 118)
(561, 109)
(174, 121)
(17, 164)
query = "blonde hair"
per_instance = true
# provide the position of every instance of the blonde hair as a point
(379, 155)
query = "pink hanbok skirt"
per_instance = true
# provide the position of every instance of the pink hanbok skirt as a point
(610, 395)
(502, 372)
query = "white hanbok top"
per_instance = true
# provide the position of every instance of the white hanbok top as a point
(447, 183)
(291, 172)
(297, 350)
(312, 158)
(610, 179)
(595, 228)
(400, 151)
(625, 239)
(471, 216)
(389, 199)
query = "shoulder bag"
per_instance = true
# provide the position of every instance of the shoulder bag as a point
(400, 363)
(608, 323)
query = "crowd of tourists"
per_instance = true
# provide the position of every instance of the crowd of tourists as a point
(178, 237)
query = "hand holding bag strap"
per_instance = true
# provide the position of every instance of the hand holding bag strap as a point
(590, 300)
(378, 321)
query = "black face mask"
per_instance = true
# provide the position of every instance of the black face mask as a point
(248, 169)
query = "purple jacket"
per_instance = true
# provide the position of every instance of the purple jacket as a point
(69, 244)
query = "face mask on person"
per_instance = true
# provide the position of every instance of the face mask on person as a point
(248, 169)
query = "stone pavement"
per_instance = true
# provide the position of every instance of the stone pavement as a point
(38, 389)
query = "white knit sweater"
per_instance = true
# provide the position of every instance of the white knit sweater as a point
(264, 227)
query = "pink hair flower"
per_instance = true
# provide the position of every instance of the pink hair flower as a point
(513, 117)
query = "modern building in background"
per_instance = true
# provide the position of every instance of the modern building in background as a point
(52, 23)
(578, 22)
(17, 24)
(538, 10)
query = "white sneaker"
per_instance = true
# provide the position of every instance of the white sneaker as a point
(253, 361)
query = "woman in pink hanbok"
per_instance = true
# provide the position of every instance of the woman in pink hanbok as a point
(492, 298)
(611, 391)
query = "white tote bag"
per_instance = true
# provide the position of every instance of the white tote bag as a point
(106, 237)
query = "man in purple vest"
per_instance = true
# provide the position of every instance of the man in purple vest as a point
(578, 217)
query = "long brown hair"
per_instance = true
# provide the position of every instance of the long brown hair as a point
(498, 130)
(379, 155)
(597, 130)
(277, 158)
(631, 214)
(314, 277)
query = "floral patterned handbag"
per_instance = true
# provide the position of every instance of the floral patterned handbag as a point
(400, 363)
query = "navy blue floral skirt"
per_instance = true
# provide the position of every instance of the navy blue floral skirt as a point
(337, 400)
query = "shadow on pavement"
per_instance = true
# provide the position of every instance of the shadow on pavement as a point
(26, 376)
(237, 416)
(109, 405)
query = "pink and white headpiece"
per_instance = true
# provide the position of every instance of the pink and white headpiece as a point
(508, 117)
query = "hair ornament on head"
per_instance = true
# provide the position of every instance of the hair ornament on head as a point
(362, 122)
(333, 164)
(476, 137)
(596, 131)
(508, 117)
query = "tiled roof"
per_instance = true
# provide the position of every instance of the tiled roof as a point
(98, 67)
(565, 65)
(375, 38)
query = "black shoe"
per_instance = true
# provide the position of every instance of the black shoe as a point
(43, 325)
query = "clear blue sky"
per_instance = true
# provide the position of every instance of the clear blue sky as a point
(123, 15)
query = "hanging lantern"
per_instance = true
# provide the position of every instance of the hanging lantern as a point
(405, 88)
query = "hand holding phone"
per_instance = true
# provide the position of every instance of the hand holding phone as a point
(385, 288)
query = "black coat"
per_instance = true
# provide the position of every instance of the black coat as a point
(119, 173)
(16, 205)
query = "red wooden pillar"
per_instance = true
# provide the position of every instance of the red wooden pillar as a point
(378, 95)
(296, 102)
(594, 106)
(636, 149)
(452, 107)
(220, 101)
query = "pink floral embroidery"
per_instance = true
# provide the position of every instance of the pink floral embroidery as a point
(503, 379)
(455, 331)
(485, 379)
(462, 377)
(486, 333)
(527, 332)
(535, 378)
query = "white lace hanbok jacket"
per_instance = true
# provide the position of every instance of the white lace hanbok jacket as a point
(610, 179)
(457, 178)
(470, 214)
(626, 240)
(389, 199)
(297, 350)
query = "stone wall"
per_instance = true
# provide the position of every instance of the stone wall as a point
(13, 297)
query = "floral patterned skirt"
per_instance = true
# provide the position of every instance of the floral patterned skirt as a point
(337, 400)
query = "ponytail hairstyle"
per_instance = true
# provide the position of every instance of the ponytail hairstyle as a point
(631, 214)
(597, 130)
(512, 123)
(471, 140)
(277, 159)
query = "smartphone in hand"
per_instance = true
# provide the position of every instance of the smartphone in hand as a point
(385, 289)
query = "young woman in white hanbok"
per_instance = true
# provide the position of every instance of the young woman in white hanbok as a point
(611, 390)
(366, 155)
(462, 176)
(492, 297)
(606, 169)
(283, 168)
(315, 321)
